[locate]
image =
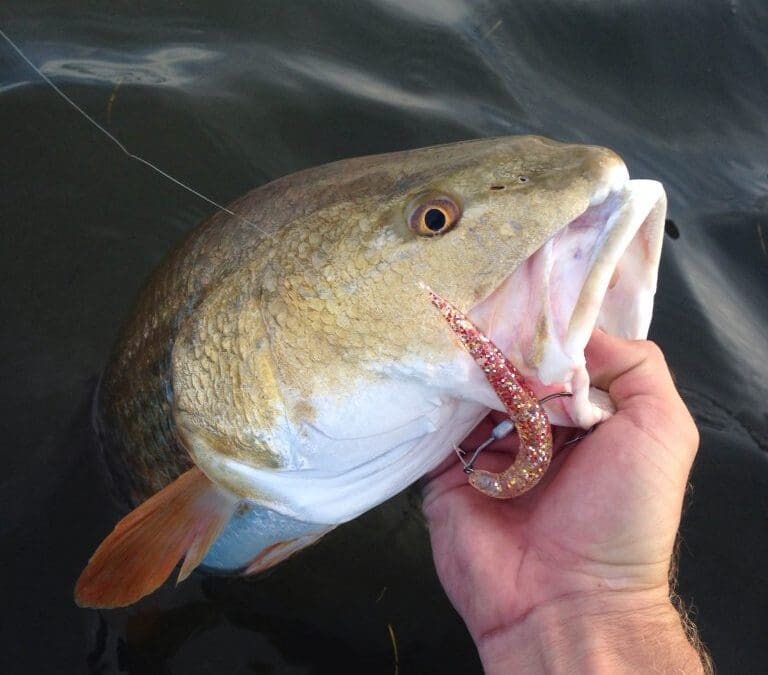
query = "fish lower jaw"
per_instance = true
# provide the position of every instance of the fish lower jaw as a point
(599, 271)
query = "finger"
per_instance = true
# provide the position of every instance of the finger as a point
(626, 368)
(636, 375)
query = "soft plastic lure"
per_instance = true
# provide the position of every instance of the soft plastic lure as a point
(524, 409)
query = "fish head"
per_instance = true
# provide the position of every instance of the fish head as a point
(538, 241)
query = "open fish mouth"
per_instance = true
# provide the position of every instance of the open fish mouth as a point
(600, 270)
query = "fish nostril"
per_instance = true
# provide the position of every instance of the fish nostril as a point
(497, 187)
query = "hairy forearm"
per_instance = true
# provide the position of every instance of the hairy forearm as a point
(598, 634)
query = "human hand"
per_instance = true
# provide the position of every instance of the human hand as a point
(591, 545)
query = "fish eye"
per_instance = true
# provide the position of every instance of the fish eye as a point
(435, 219)
(433, 214)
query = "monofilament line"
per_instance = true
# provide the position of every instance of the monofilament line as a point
(119, 144)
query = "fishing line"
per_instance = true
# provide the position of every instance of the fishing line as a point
(120, 145)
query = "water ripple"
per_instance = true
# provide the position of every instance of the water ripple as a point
(174, 66)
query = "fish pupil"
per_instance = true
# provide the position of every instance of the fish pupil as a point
(434, 219)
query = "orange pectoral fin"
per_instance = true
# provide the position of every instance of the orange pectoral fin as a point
(185, 517)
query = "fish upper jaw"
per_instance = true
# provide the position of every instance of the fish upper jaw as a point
(600, 270)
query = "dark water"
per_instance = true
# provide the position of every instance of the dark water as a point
(229, 95)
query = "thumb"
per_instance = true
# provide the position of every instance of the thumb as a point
(638, 380)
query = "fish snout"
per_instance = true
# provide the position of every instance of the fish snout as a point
(599, 271)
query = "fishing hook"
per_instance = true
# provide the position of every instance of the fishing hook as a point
(502, 430)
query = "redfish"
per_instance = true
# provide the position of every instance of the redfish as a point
(284, 370)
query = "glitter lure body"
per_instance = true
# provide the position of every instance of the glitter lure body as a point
(283, 372)
(522, 406)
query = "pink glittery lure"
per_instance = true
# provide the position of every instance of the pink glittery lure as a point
(523, 407)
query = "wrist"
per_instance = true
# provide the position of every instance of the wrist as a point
(612, 633)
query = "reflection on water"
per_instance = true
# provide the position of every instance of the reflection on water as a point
(228, 97)
(173, 67)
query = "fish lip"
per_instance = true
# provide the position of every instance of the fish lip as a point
(612, 250)
(618, 291)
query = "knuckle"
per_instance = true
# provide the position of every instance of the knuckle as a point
(691, 431)
(652, 352)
